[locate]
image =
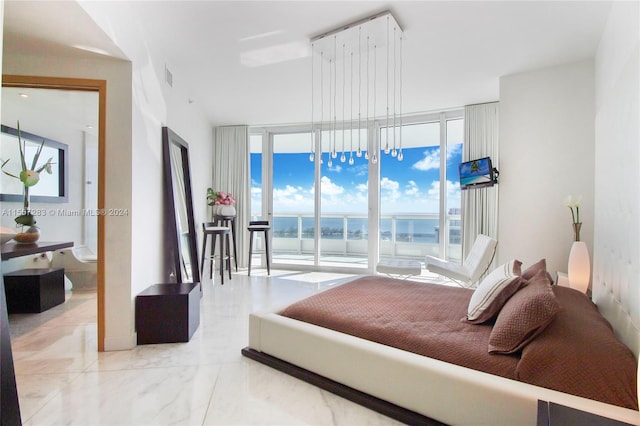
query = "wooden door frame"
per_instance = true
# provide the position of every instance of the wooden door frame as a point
(89, 85)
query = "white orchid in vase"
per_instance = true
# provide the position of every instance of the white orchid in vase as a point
(29, 177)
(573, 202)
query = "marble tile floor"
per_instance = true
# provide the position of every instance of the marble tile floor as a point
(63, 380)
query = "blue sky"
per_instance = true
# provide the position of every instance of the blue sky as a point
(411, 186)
(408, 186)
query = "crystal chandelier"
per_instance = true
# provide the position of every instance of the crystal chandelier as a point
(345, 65)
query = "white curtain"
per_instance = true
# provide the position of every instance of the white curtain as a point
(231, 174)
(480, 206)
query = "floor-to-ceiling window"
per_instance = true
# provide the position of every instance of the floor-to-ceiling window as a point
(293, 190)
(344, 194)
(414, 203)
(419, 187)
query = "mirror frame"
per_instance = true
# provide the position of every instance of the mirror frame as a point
(172, 248)
(63, 171)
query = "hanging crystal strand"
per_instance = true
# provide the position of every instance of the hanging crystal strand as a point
(331, 134)
(343, 158)
(321, 100)
(351, 112)
(386, 142)
(359, 152)
(311, 150)
(374, 156)
(334, 154)
(394, 152)
(366, 153)
(400, 156)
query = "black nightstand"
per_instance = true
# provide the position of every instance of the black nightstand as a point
(552, 414)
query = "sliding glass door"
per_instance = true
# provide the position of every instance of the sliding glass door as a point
(333, 214)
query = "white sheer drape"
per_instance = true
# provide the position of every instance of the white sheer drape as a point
(480, 206)
(231, 174)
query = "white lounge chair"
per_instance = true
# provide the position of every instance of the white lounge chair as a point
(475, 264)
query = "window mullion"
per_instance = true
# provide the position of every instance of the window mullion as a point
(444, 238)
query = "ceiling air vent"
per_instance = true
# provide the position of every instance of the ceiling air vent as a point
(168, 77)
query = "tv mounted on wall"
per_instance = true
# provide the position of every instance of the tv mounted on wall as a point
(477, 173)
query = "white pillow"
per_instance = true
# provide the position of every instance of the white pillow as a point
(487, 300)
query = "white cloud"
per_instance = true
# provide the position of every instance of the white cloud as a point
(388, 184)
(430, 161)
(411, 188)
(330, 188)
(362, 187)
(453, 192)
(453, 150)
(335, 168)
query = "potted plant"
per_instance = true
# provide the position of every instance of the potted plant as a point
(221, 202)
(29, 177)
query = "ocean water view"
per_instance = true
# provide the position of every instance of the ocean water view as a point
(357, 228)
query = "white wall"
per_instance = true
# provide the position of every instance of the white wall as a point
(119, 319)
(154, 104)
(546, 152)
(616, 263)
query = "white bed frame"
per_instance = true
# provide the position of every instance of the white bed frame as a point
(438, 390)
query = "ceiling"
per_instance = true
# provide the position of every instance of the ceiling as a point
(453, 55)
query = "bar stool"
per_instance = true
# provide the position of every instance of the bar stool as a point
(259, 226)
(229, 222)
(210, 229)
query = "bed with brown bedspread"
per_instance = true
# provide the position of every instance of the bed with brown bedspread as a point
(577, 352)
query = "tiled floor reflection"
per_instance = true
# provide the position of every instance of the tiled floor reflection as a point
(62, 379)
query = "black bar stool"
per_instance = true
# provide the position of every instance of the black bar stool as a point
(259, 226)
(210, 229)
(229, 222)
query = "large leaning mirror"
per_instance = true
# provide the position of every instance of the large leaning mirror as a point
(181, 250)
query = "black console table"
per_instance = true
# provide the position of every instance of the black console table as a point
(11, 250)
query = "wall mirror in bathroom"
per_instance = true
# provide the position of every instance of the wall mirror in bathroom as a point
(53, 187)
(181, 249)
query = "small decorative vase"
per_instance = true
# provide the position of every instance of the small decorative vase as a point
(576, 231)
(30, 236)
(223, 210)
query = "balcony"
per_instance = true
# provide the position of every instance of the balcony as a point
(344, 238)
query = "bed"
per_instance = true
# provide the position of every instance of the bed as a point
(362, 358)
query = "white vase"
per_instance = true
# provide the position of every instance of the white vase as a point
(223, 210)
(579, 266)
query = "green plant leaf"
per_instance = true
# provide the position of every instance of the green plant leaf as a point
(26, 220)
(22, 148)
(9, 174)
(37, 156)
(46, 166)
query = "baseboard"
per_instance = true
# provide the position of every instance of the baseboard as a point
(376, 404)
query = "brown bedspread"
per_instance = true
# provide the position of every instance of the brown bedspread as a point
(579, 354)
(431, 325)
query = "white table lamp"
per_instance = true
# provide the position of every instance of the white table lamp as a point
(579, 267)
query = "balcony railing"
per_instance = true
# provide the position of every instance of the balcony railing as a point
(346, 235)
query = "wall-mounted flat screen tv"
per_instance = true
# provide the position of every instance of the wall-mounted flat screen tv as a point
(477, 173)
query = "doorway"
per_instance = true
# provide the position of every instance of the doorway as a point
(68, 86)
